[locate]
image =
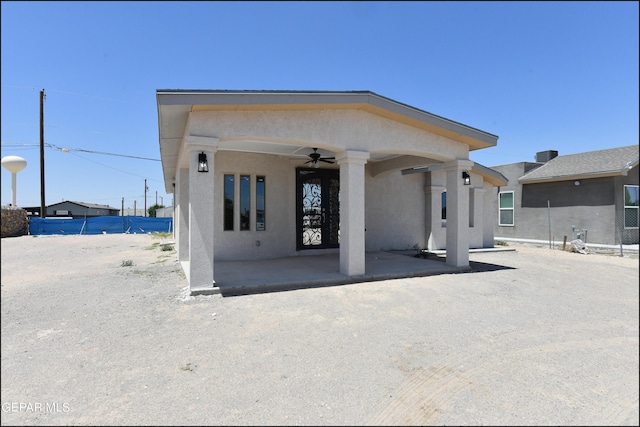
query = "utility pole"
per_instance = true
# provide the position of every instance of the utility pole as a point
(156, 197)
(134, 208)
(122, 207)
(145, 197)
(43, 209)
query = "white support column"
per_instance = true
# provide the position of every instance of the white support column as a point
(352, 238)
(457, 213)
(182, 189)
(433, 198)
(477, 193)
(201, 215)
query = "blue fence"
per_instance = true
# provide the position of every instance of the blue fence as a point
(100, 225)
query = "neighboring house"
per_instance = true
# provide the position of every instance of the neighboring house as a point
(266, 174)
(592, 196)
(74, 210)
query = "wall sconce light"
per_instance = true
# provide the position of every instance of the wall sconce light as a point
(466, 178)
(203, 165)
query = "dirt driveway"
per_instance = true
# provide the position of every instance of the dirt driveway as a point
(98, 330)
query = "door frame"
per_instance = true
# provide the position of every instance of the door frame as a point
(325, 174)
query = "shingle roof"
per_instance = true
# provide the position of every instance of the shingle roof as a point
(592, 164)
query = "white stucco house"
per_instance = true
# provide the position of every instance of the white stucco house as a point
(267, 174)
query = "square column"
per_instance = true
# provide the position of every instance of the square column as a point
(182, 214)
(477, 197)
(457, 213)
(352, 239)
(201, 215)
(433, 200)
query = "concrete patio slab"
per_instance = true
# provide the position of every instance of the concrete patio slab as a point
(310, 271)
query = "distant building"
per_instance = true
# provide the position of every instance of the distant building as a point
(71, 209)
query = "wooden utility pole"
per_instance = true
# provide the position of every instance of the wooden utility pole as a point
(43, 208)
(145, 197)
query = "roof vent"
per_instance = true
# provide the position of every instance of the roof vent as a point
(545, 156)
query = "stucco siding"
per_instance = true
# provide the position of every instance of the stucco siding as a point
(394, 212)
(588, 192)
(555, 223)
(489, 216)
(278, 238)
(594, 205)
(334, 130)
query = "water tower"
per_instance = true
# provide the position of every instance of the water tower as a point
(13, 164)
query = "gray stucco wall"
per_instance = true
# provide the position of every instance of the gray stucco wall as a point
(395, 212)
(596, 205)
(589, 192)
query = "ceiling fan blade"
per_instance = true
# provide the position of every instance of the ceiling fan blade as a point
(330, 158)
(326, 161)
(309, 161)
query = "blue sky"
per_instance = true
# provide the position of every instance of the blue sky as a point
(540, 75)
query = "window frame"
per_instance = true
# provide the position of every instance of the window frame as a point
(226, 224)
(501, 209)
(243, 196)
(627, 208)
(245, 201)
(261, 202)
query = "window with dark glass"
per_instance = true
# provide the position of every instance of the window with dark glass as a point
(245, 202)
(228, 201)
(260, 202)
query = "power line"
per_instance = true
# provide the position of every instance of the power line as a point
(66, 150)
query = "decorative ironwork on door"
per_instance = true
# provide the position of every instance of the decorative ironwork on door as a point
(318, 202)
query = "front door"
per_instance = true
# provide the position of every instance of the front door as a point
(318, 208)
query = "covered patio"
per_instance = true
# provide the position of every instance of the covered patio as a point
(312, 271)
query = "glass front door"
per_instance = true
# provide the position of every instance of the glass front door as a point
(318, 208)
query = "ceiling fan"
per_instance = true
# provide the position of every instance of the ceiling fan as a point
(317, 157)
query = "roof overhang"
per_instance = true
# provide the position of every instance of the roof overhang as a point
(174, 106)
(489, 175)
(605, 174)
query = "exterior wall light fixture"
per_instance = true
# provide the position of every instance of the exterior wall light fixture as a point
(466, 178)
(203, 165)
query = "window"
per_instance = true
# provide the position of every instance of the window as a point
(630, 206)
(444, 208)
(250, 193)
(260, 189)
(245, 202)
(229, 197)
(505, 208)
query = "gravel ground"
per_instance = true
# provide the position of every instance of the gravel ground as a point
(99, 330)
